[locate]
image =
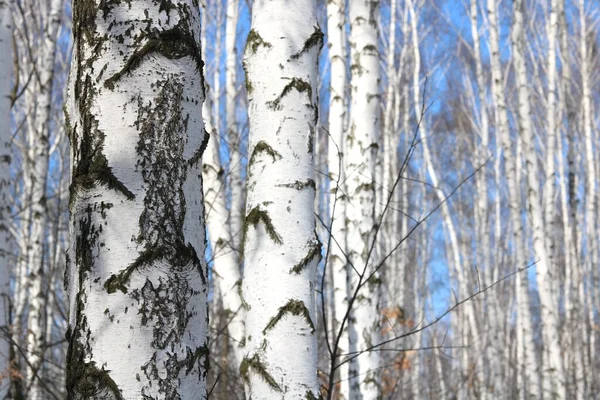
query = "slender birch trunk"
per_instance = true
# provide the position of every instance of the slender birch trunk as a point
(338, 264)
(136, 278)
(227, 279)
(361, 145)
(554, 377)
(6, 31)
(281, 249)
(233, 135)
(528, 364)
(38, 165)
(493, 353)
(590, 188)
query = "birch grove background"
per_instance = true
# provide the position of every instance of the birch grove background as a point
(401, 197)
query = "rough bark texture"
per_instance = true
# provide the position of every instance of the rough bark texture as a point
(281, 249)
(136, 276)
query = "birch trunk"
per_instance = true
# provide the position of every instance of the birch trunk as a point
(37, 166)
(235, 150)
(281, 249)
(227, 279)
(337, 198)
(528, 363)
(6, 31)
(361, 145)
(136, 278)
(554, 377)
(590, 189)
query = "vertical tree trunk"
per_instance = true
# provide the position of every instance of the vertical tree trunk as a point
(281, 249)
(361, 145)
(338, 263)
(528, 363)
(554, 377)
(234, 138)
(6, 31)
(37, 167)
(136, 278)
(227, 279)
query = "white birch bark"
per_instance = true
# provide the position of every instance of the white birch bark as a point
(227, 279)
(449, 226)
(337, 191)
(493, 355)
(37, 166)
(281, 249)
(590, 213)
(137, 277)
(361, 145)
(234, 138)
(554, 376)
(528, 363)
(6, 31)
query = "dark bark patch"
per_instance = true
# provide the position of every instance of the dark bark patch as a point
(254, 217)
(254, 40)
(316, 39)
(314, 250)
(256, 365)
(293, 307)
(299, 84)
(174, 43)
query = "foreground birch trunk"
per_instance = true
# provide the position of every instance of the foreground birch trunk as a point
(136, 276)
(5, 158)
(281, 249)
(361, 145)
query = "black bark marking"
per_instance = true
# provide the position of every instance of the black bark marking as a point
(316, 39)
(299, 84)
(259, 368)
(294, 307)
(299, 185)
(314, 250)
(255, 216)
(174, 43)
(263, 147)
(254, 40)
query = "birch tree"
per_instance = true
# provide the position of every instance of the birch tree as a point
(281, 249)
(554, 380)
(527, 367)
(337, 262)
(6, 32)
(361, 148)
(136, 277)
